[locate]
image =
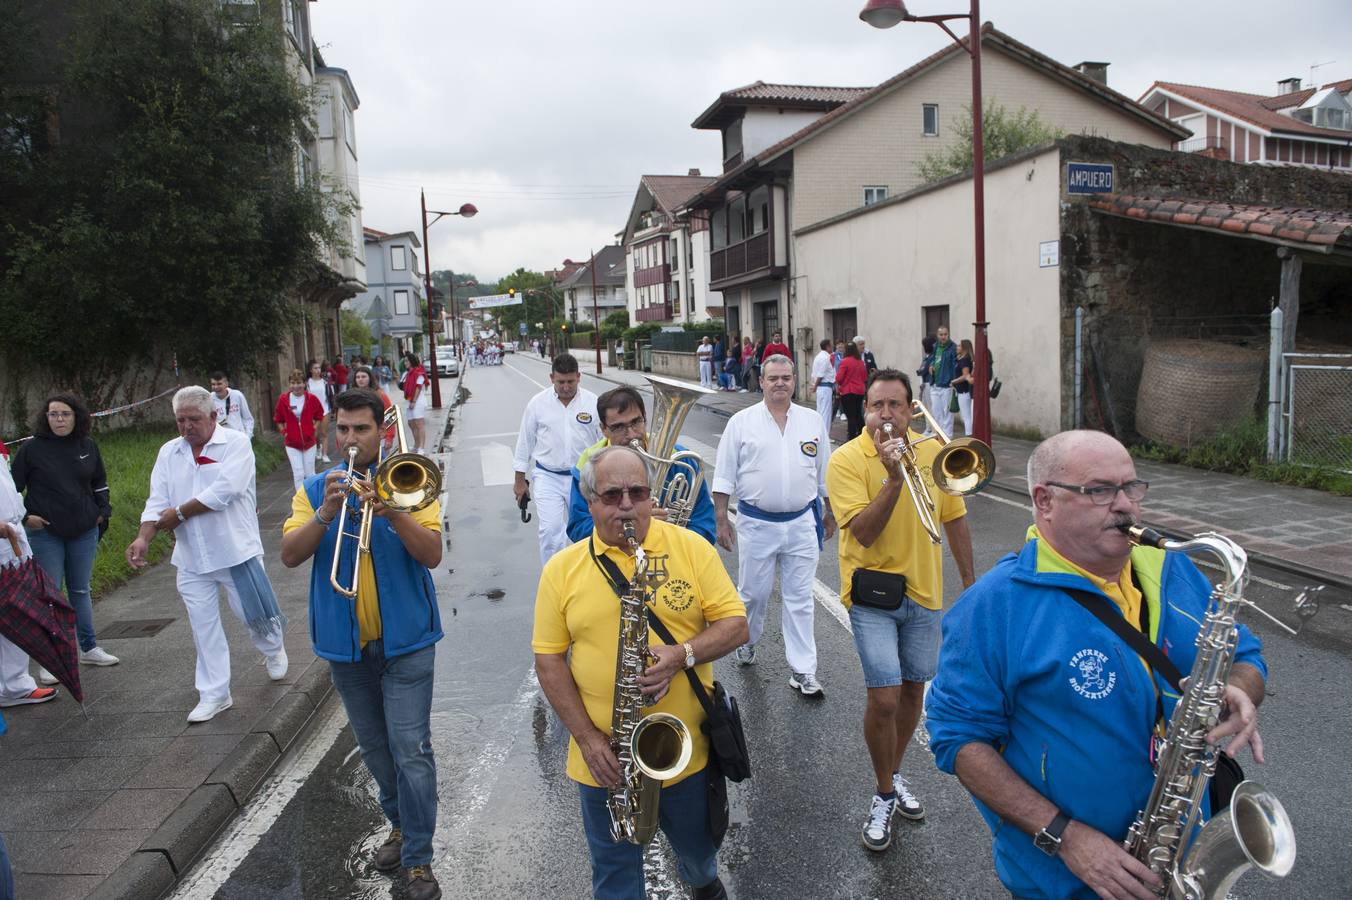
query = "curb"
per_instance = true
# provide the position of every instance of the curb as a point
(171, 849)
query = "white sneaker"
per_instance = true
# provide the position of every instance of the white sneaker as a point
(98, 657)
(877, 832)
(745, 655)
(209, 709)
(277, 665)
(907, 805)
(45, 677)
(807, 683)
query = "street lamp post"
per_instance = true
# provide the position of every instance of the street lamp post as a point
(468, 211)
(885, 14)
(596, 314)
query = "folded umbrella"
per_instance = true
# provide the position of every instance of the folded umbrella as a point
(36, 618)
(525, 499)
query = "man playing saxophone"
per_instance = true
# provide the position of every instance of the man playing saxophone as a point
(577, 622)
(1050, 719)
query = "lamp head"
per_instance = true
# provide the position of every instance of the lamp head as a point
(469, 210)
(884, 13)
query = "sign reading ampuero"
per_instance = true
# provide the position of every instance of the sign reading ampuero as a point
(1089, 178)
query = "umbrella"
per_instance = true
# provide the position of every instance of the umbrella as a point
(38, 620)
(525, 499)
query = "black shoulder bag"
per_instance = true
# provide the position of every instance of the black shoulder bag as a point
(1228, 772)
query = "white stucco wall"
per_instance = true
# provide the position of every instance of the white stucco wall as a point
(896, 258)
(762, 128)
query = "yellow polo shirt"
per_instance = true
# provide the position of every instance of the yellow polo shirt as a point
(854, 477)
(368, 598)
(576, 609)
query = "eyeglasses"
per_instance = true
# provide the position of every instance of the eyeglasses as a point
(637, 494)
(626, 426)
(1103, 494)
(53, 414)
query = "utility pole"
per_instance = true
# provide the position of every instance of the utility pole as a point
(596, 315)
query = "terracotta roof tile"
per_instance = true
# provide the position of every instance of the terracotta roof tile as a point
(795, 93)
(1256, 108)
(670, 191)
(1302, 224)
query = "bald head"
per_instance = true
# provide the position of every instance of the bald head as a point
(1052, 458)
(1079, 528)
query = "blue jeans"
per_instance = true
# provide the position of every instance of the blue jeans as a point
(6, 876)
(682, 812)
(389, 703)
(70, 560)
(896, 645)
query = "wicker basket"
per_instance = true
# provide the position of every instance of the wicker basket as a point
(1190, 390)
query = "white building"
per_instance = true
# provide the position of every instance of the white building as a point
(611, 291)
(395, 280)
(667, 253)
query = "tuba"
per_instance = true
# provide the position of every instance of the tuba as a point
(403, 481)
(1254, 832)
(674, 476)
(651, 747)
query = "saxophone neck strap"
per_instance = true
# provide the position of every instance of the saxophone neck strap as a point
(1106, 612)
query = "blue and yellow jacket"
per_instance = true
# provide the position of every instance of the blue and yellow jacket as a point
(580, 517)
(1068, 704)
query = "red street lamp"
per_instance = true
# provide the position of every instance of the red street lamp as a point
(467, 211)
(885, 14)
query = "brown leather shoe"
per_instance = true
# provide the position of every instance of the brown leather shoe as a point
(387, 854)
(422, 884)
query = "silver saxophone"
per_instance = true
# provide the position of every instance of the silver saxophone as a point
(650, 746)
(1255, 831)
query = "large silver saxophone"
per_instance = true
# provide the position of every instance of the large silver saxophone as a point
(651, 747)
(1254, 832)
(674, 476)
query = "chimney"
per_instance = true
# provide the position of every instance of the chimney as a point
(1095, 70)
(693, 172)
(1288, 86)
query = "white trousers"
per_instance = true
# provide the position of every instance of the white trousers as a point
(791, 547)
(825, 398)
(201, 596)
(15, 682)
(940, 397)
(302, 465)
(551, 494)
(965, 407)
(706, 373)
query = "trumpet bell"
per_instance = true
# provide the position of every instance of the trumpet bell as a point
(407, 482)
(964, 466)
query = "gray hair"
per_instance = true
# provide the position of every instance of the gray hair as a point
(587, 477)
(779, 358)
(1048, 459)
(194, 397)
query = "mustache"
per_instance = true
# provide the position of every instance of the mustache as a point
(1121, 522)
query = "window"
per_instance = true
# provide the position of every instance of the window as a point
(349, 129)
(929, 117)
(758, 211)
(304, 166)
(737, 221)
(293, 16)
(324, 115)
(732, 140)
(689, 253)
(398, 258)
(674, 254)
(873, 193)
(401, 303)
(718, 228)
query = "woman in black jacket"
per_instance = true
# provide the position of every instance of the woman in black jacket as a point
(61, 474)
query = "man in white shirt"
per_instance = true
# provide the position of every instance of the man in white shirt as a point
(773, 457)
(559, 423)
(704, 353)
(824, 383)
(203, 489)
(232, 410)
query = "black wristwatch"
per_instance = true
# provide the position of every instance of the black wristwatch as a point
(1048, 840)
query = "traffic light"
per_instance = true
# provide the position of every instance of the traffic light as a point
(564, 326)
(511, 292)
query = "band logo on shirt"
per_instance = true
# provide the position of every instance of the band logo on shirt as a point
(677, 595)
(657, 570)
(584, 417)
(1093, 682)
(809, 448)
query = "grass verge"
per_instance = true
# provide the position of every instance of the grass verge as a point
(128, 456)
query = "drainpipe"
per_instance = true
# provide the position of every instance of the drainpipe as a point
(1079, 361)
(1274, 383)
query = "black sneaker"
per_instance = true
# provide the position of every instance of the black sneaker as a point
(878, 826)
(422, 884)
(714, 890)
(907, 805)
(387, 854)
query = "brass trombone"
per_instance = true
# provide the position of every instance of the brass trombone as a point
(403, 481)
(964, 466)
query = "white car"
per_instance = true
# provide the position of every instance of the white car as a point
(447, 365)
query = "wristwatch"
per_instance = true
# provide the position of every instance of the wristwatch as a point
(1048, 840)
(689, 655)
(178, 512)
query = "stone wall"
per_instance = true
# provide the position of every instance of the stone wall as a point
(675, 364)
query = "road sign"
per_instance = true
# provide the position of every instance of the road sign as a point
(1089, 178)
(521, 328)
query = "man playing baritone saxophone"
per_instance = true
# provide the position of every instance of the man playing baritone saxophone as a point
(1042, 711)
(578, 610)
(381, 645)
(623, 419)
(881, 533)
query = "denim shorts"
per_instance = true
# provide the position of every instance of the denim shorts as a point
(896, 645)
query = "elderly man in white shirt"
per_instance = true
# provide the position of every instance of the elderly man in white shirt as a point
(824, 383)
(203, 489)
(559, 423)
(232, 410)
(773, 457)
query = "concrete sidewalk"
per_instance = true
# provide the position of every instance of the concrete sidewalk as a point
(1300, 531)
(119, 804)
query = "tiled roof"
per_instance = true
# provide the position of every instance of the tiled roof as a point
(374, 233)
(1256, 108)
(609, 269)
(794, 93)
(1320, 227)
(670, 191)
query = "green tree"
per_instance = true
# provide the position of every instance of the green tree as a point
(543, 303)
(168, 217)
(1002, 134)
(356, 330)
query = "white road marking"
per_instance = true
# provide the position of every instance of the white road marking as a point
(1005, 500)
(256, 820)
(830, 601)
(497, 463)
(524, 375)
(484, 437)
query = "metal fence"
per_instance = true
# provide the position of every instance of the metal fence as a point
(683, 341)
(1316, 410)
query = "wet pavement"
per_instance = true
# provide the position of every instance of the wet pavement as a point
(509, 824)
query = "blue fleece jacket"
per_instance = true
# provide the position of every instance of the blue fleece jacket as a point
(580, 518)
(1069, 705)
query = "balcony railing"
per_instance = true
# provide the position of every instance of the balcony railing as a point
(745, 257)
(655, 313)
(652, 275)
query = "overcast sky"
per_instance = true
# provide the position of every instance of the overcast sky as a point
(545, 114)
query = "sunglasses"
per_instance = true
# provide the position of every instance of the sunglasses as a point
(637, 494)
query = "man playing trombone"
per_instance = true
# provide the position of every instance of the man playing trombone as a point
(891, 580)
(381, 643)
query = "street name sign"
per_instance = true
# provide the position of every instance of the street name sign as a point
(1089, 178)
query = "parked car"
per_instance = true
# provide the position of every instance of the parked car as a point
(447, 366)
(509, 347)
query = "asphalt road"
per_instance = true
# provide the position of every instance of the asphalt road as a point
(509, 823)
